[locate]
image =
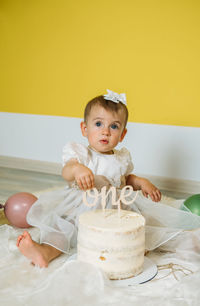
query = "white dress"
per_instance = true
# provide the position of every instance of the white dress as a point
(56, 213)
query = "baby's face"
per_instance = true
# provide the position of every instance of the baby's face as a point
(104, 129)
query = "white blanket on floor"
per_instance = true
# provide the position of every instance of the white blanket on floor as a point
(74, 283)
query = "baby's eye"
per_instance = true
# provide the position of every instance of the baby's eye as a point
(98, 123)
(114, 126)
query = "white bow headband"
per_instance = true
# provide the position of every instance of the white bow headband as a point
(115, 97)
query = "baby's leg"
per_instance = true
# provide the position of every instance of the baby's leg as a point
(39, 254)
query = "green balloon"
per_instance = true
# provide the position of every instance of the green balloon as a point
(193, 204)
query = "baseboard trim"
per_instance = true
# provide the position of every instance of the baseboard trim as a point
(164, 183)
(30, 165)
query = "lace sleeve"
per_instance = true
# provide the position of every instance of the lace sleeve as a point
(127, 161)
(75, 150)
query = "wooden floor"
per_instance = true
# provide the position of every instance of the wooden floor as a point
(16, 180)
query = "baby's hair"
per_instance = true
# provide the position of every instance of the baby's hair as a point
(106, 104)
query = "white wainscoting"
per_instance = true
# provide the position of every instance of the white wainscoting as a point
(168, 152)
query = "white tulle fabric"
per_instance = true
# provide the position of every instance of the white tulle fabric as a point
(56, 213)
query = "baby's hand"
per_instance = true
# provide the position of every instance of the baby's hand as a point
(149, 189)
(84, 177)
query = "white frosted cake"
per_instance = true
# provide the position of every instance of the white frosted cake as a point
(115, 243)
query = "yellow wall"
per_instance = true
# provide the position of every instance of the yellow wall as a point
(56, 55)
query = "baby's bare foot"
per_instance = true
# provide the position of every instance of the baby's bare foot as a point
(18, 240)
(32, 250)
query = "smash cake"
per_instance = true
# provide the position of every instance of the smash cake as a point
(112, 240)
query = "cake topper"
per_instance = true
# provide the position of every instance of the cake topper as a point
(104, 193)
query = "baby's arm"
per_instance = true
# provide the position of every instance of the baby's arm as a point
(73, 170)
(140, 183)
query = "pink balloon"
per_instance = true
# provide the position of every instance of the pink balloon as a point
(17, 207)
